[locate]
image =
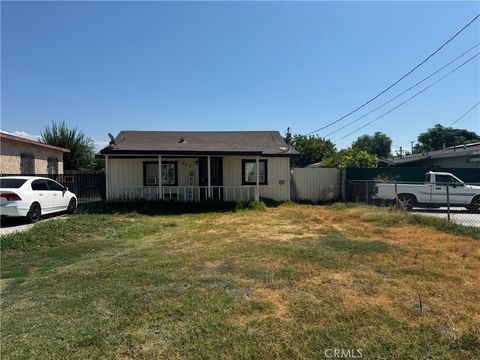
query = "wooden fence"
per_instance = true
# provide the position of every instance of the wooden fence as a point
(315, 185)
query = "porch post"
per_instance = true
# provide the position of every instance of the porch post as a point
(209, 177)
(160, 189)
(107, 177)
(257, 188)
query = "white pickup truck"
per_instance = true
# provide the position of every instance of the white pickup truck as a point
(432, 193)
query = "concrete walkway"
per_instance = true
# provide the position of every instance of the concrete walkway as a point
(12, 225)
(457, 215)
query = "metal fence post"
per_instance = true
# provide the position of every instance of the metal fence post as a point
(396, 197)
(366, 191)
(448, 201)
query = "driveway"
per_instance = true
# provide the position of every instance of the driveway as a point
(11, 225)
(458, 215)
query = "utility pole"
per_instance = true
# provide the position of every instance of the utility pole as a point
(288, 138)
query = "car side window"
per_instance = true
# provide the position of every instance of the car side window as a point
(39, 185)
(54, 186)
(443, 179)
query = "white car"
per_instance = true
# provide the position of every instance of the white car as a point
(32, 197)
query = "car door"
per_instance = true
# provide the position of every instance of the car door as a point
(60, 201)
(458, 194)
(42, 195)
(439, 189)
(455, 190)
(424, 191)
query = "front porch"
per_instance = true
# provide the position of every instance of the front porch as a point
(198, 179)
(185, 193)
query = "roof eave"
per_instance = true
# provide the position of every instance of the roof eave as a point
(33, 142)
(109, 151)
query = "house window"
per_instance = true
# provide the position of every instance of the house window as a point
(27, 164)
(249, 172)
(52, 165)
(169, 173)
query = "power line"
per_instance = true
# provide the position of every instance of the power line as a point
(410, 88)
(411, 97)
(396, 82)
(465, 114)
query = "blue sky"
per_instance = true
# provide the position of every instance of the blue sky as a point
(108, 66)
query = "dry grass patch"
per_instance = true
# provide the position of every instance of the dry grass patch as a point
(285, 282)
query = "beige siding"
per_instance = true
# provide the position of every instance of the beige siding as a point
(278, 172)
(129, 172)
(11, 150)
(125, 173)
(315, 184)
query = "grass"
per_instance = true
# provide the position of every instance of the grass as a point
(155, 207)
(391, 217)
(283, 282)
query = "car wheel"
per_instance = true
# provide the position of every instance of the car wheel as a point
(72, 205)
(475, 205)
(34, 213)
(406, 201)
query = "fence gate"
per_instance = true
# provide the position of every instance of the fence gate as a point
(315, 184)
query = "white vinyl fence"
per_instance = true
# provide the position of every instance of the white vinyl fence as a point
(315, 184)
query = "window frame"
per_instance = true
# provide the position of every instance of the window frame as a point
(11, 180)
(54, 160)
(31, 157)
(175, 167)
(449, 179)
(39, 181)
(245, 161)
(50, 181)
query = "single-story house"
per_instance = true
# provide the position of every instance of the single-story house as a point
(19, 155)
(460, 156)
(196, 165)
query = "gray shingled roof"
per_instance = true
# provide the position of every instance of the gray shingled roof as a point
(201, 142)
(472, 149)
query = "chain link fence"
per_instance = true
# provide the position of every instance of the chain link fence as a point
(457, 202)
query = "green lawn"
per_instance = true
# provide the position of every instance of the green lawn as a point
(286, 282)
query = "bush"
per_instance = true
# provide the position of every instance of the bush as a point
(163, 207)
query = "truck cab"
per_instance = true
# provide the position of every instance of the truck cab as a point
(440, 183)
(439, 189)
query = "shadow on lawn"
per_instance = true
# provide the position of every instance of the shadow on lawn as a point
(167, 207)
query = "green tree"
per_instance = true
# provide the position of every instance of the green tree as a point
(438, 136)
(378, 144)
(82, 148)
(351, 158)
(312, 149)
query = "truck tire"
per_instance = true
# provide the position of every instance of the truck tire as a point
(407, 201)
(474, 205)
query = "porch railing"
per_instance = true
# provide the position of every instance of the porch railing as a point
(183, 193)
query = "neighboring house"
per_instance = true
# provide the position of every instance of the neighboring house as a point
(460, 156)
(19, 155)
(196, 165)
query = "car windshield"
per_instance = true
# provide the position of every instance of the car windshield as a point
(11, 183)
